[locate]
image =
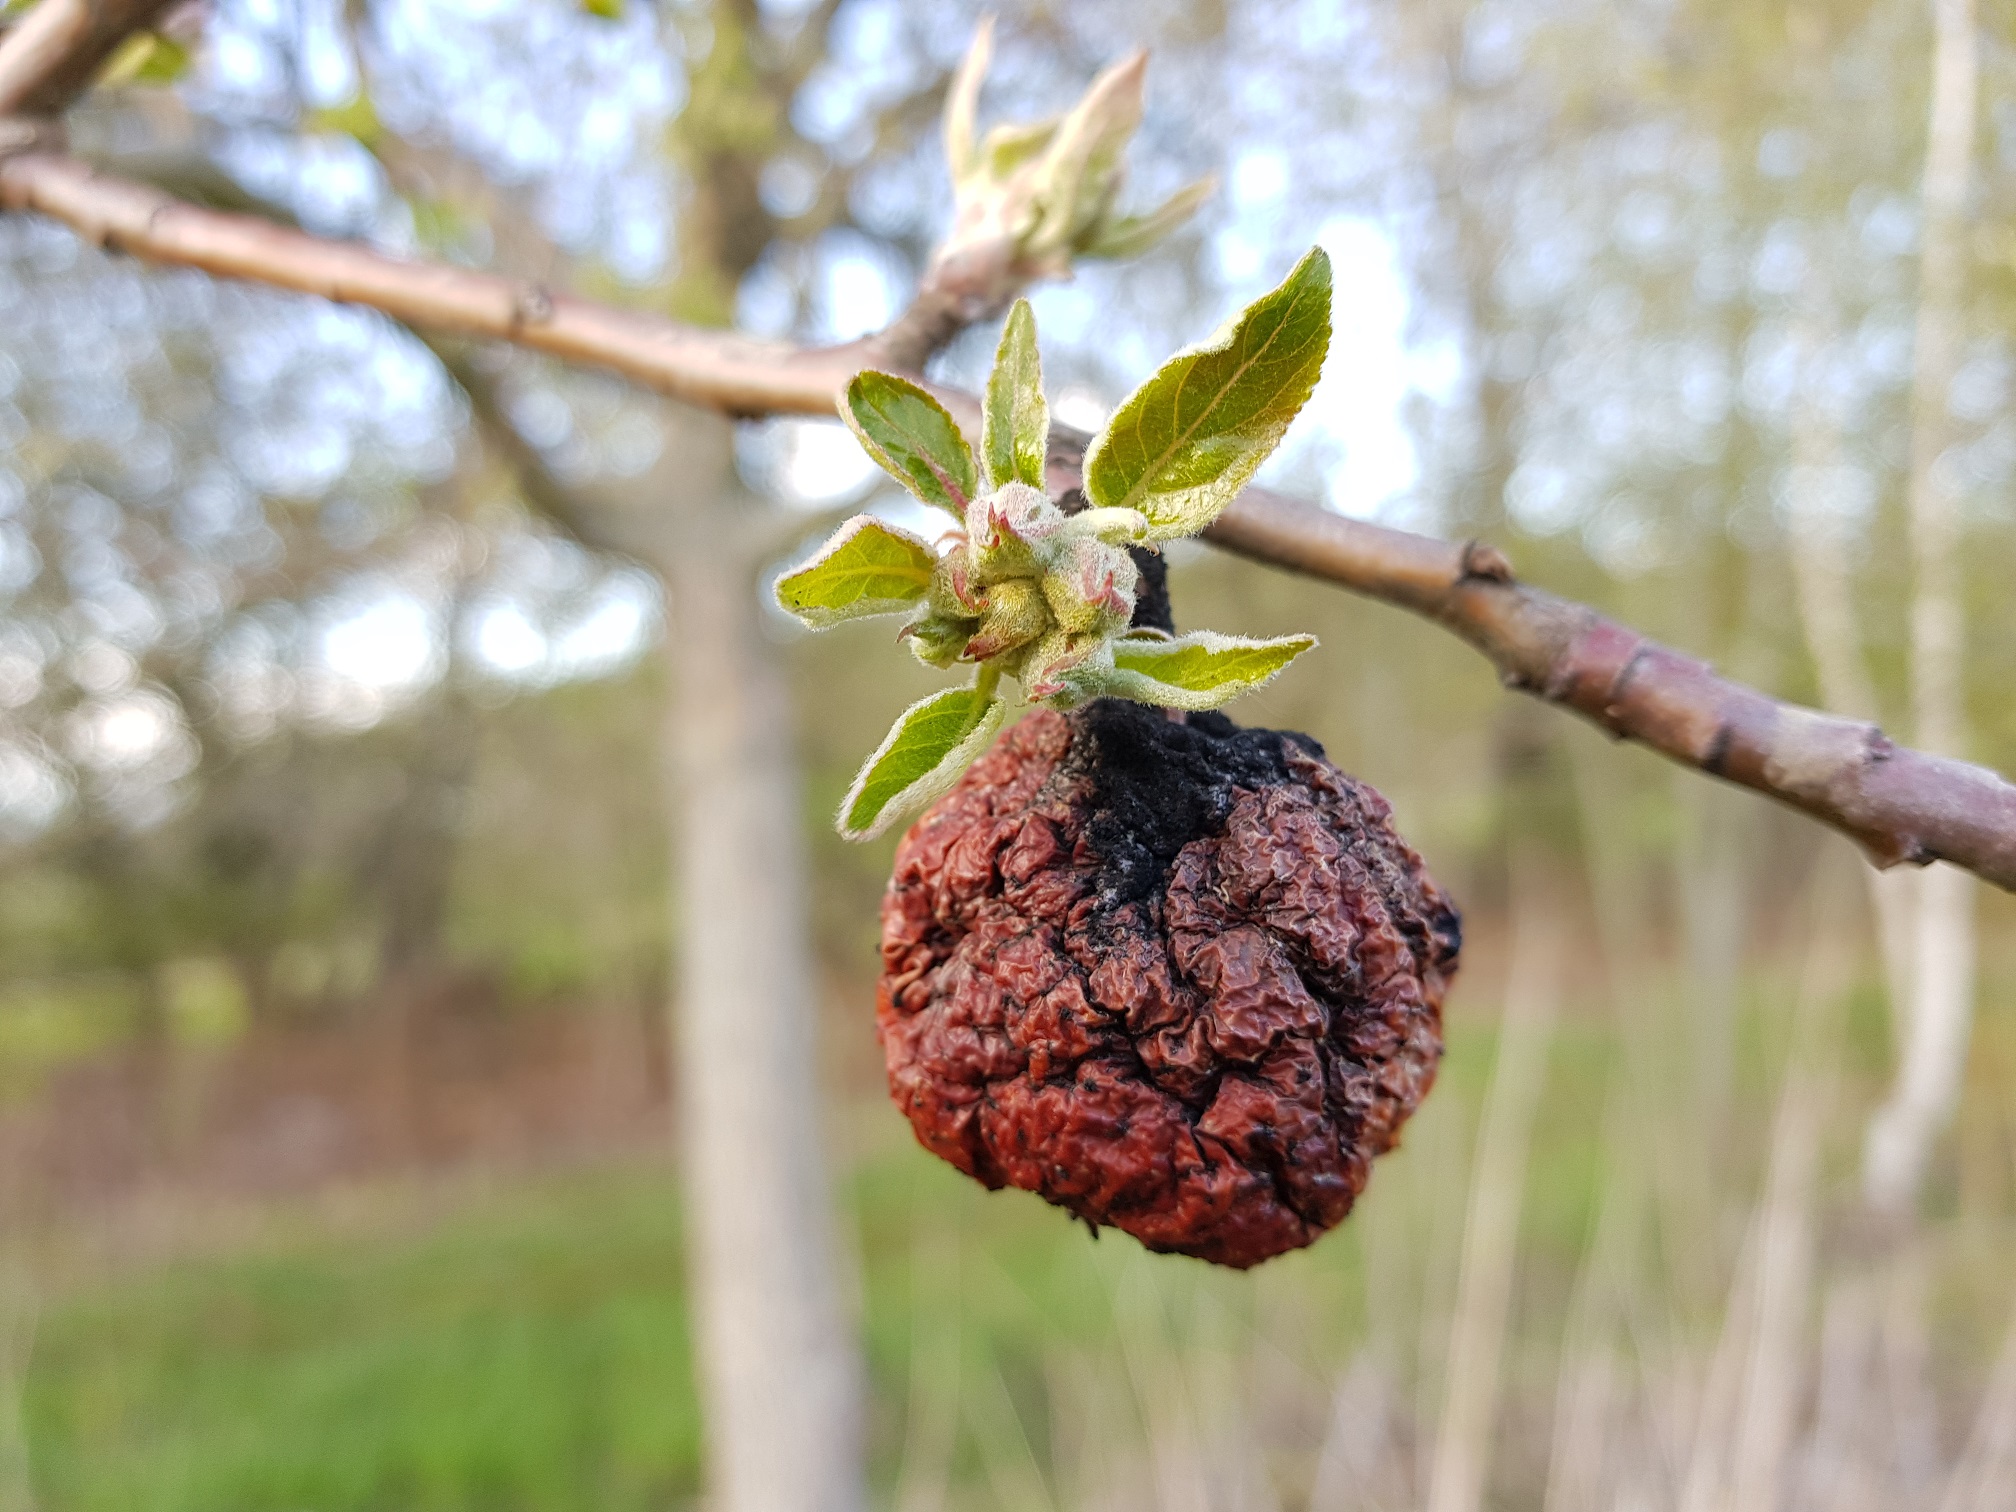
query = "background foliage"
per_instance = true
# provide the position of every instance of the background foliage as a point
(331, 918)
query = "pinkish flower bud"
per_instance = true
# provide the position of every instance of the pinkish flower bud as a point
(1090, 587)
(1016, 615)
(1009, 532)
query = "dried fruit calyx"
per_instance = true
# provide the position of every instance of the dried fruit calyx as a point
(1180, 978)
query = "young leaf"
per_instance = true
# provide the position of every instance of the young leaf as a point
(1186, 441)
(1129, 236)
(144, 58)
(1081, 168)
(1201, 670)
(1015, 425)
(914, 439)
(962, 99)
(1012, 146)
(867, 568)
(925, 751)
(937, 640)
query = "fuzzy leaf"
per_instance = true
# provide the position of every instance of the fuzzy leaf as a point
(928, 747)
(867, 568)
(914, 439)
(1187, 440)
(1015, 425)
(1201, 670)
(1116, 527)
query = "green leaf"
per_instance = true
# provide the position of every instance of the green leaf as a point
(935, 740)
(1186, 441)
(357, 117)
(166, 64)
(1015, 424)
(144, 58)
(914, 438)
(1201, 670)
(867, 568)
(1014, 144)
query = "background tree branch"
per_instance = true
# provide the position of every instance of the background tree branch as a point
(54, 52)
(1899, 804)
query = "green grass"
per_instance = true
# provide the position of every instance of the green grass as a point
(529, 1348)
(525, 1351)
(526, 1346)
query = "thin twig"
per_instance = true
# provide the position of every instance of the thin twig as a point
(1900, 804)
(54, 51)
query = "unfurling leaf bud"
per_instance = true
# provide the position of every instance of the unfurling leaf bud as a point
(1029, 198)
(938, 640)
(1053, 670)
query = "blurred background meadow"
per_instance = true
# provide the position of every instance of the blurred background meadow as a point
(339, 912)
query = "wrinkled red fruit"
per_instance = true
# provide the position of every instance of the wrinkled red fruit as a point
(1182, 979)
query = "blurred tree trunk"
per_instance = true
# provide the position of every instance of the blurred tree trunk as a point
(779, 1372)
(776, 1353)
(1942, 947)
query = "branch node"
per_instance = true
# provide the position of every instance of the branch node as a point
(1715, 759)
(1483, 562)
(533, 306)
(22, 134)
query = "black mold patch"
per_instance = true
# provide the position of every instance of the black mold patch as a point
(1157, 785)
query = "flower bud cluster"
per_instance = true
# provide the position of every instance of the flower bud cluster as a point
(1030, 590)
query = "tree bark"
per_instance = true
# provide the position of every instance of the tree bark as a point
(55, 50)
(1900, 805)
(775, 1349)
